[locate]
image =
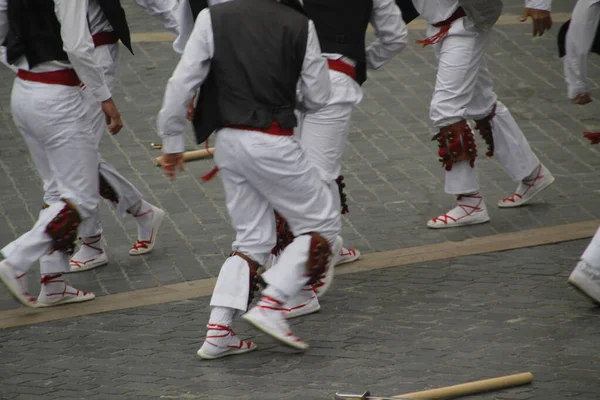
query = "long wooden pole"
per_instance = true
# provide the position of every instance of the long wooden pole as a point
(470, 388)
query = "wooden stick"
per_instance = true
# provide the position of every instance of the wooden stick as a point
(192, 155)
(466, 389)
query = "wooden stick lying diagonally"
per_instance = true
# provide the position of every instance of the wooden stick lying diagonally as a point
(192, 155)
(470, 388)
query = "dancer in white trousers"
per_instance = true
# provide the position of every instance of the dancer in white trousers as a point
(323, 134)
(579, 40)
(114, 187)
(51, 46)
(464, 90)
(262, 167)
(586, 275)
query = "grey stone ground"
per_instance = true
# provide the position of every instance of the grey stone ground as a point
(393, 330)
(393, 179)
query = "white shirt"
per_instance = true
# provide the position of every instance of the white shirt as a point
(434, 11)
(163, 10)
(195, 65)
(390, 32)
(77, 43)
(545, 5)
(185, 22)
(96, 18)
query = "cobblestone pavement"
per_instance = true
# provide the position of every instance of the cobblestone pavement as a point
(393, 179)
(390, 331)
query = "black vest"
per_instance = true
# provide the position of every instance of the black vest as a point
(34, 32)
(115, 15)
(341, 26)
(409, 12)
(257, 61)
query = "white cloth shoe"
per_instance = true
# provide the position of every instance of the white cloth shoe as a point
(348, 256)
(145, 246)
(586, 279)
(470, 210)
(306, 302)
(90, 255)
(55, 291)
(221, 341)
(268, 316)
(528, 188)
(325, 281)
(16, 285)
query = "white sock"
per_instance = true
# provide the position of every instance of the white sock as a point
(53, 283)
(90, 248)
(144, 215)
(533, 174)
(221, 315)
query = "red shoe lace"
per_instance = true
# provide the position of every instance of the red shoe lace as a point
(141, 244)
(527, 182)
(46, 279)
(79, 264)
(468, 209)
(271, 304)
(30, 298)
(227, 331)
(351, 252)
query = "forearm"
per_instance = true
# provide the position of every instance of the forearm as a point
(79, 46)
(390, 31)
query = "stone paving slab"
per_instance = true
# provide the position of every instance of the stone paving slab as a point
(391, 331)
(393, 179)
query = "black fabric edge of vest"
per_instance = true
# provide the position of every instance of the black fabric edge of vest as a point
(562, 37)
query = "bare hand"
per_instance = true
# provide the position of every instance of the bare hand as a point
(582, 99)
(191, 109)
(170, 163)
(112, 116)
(542, 20)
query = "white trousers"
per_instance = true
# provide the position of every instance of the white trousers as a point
(464, 90)
(58, 133)
(323, 134)
(579, 41)
(262, 173)
(108, 58)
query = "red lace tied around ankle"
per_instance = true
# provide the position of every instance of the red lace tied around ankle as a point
(527, 182)
(57, 278)
(142, 244)
(80, 264)
(468, 209)
(444, 28)
(226, 332)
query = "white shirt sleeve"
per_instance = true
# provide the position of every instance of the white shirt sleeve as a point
(185, 23)
(4, 32)
(164, 11)
(545, 5)
(79, 46)
(314, 79)
(390, 31)
(190, 73)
